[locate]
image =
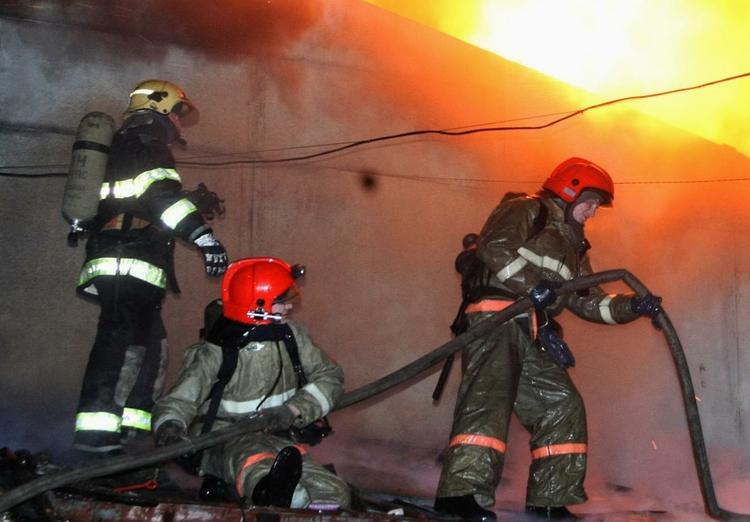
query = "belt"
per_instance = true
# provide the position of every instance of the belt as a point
(498, 305)
(117, 222)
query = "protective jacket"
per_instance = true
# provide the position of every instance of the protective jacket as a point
(128, 265)
(558, 253)
(264, 377)
(140, 212)
(506, 371)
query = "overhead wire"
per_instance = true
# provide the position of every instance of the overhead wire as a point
(335, 147)
(26, 175)
(337, 143)
(448, 132)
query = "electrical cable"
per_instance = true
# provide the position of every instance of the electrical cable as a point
(447, 132)
(454, 131)
(337, 143)
(42, 175)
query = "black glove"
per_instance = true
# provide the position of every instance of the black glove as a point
(214, 256)
(170, 432)
(311, 434)
(281, 418)
(543, 294)
(550, 341)
(649, 305)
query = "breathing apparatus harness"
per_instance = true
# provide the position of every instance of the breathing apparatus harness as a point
(232, 336)
(475, 277)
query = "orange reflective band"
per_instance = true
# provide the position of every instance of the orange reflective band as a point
(558, 449)
(488, 305)
(478, 440)
(252, 459)
(494, 305)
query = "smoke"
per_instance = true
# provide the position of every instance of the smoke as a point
(224, 30)
(234, 27)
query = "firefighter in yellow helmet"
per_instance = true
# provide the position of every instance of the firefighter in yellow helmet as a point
(527, 245)
(254, 360)
(129, 265)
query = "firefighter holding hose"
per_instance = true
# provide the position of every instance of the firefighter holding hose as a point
(253, 360)
(527, 247)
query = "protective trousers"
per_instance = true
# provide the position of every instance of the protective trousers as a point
(126, 366)
(505, 372)
(244, 461)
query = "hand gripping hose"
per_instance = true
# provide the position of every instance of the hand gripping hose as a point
(260, 421)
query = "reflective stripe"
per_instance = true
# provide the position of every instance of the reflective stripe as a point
(177, 212)
(546, 262)
(488, 305)
(98, 421)
(313, 390)
(133, 267)
(135, 187)
(559, 449)
(497, 305)
(478, 440)
(240, 407)
(605, 310)
(252, 459)
(301, 448)
(511, 269)
(139, 419)
(145, 92)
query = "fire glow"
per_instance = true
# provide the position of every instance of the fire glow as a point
(618, 48)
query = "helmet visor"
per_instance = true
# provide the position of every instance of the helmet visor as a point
(188, 113)
(292, 293)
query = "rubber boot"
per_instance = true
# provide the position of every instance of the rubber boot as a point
(212, 489)
(550, 512)
(465, 507)
(277, 488)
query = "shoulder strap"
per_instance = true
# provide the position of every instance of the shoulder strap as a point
(323, 427)
(229, 356)
(293, 350)
(540, 221)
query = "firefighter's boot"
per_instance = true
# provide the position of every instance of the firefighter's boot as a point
(550, 512)
(277, 488)
(465, 507)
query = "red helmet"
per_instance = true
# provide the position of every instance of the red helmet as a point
(574, 175)
(250, 287)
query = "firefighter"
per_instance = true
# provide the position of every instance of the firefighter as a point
(253, 360)
(528, 246)
(129, 263)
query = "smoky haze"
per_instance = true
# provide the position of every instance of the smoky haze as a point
(221, 30)
(381, 289)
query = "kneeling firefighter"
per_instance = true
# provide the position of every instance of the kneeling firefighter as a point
(129, 259)
(253, 360)
(528, 246)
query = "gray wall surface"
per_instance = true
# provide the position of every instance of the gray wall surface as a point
(380, 289)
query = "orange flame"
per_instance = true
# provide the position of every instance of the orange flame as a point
(618, 48)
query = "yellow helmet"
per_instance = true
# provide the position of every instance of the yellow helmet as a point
(163, 97)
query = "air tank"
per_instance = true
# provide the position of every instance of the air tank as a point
(86, 174)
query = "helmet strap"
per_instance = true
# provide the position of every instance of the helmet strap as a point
(170, 132)
(261, 315)
(154, 124)
(575, 226)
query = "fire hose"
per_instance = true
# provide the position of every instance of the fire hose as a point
(260, 421)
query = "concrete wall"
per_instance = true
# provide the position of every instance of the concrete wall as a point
(381, 289)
